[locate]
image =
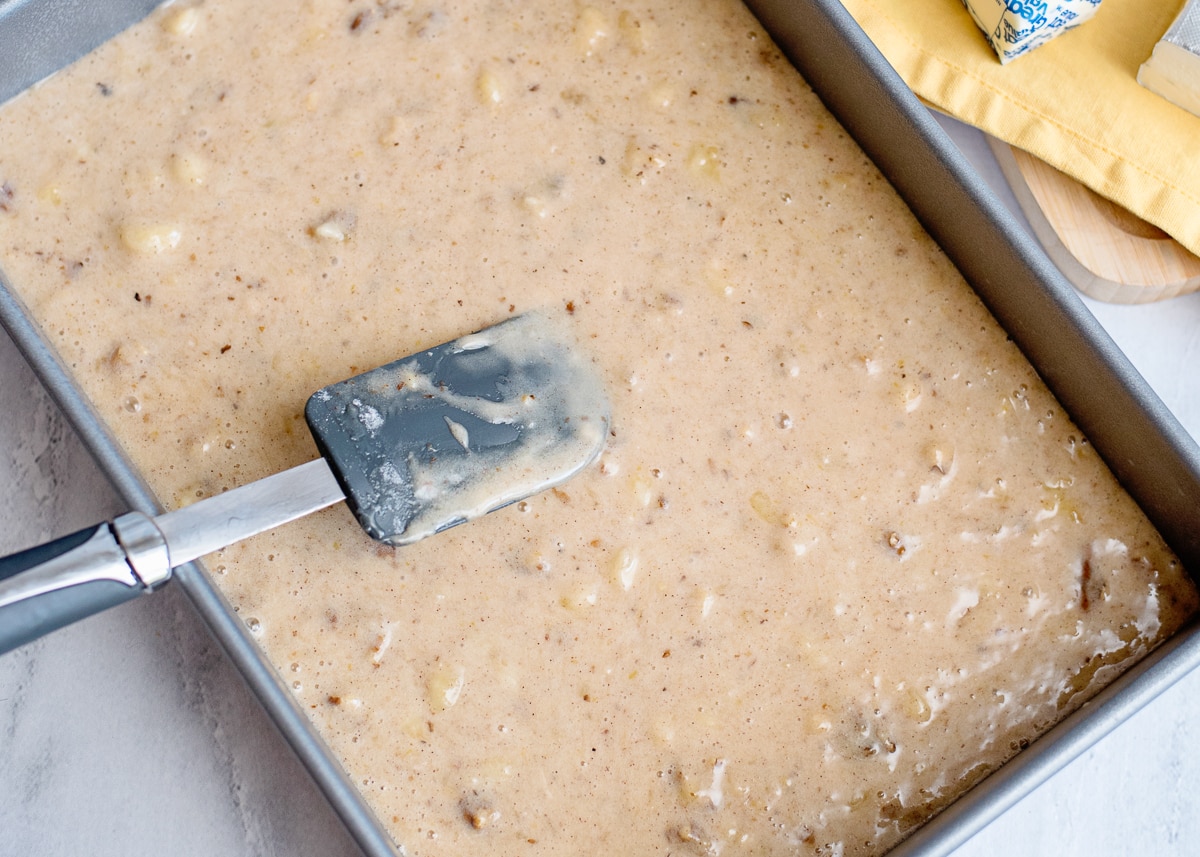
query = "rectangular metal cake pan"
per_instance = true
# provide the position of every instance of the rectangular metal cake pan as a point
(1152, 455)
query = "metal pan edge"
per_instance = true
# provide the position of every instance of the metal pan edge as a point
(1151, 454)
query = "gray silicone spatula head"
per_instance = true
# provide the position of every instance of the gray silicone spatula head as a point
(444, 436)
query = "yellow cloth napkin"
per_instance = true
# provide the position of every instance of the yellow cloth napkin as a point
(1074, 102)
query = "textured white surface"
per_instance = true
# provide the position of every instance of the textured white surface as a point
(131, 734)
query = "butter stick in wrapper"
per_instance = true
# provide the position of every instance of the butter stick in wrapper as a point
(1173, 70)
(1015, 27)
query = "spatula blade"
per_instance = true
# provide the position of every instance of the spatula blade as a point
(436, 439)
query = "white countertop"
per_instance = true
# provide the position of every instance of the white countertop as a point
(131, 734)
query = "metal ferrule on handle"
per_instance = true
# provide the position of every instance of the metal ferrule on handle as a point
(52, 585)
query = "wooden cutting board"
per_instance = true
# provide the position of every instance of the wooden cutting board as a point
(1105, 251)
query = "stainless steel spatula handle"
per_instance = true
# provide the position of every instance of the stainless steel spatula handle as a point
(419, 445)
(52, 585)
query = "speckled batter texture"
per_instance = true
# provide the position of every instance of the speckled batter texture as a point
(844, 553)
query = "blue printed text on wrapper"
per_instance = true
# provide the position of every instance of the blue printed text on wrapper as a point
(1015, 27)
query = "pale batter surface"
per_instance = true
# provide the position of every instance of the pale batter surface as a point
(844, 554)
